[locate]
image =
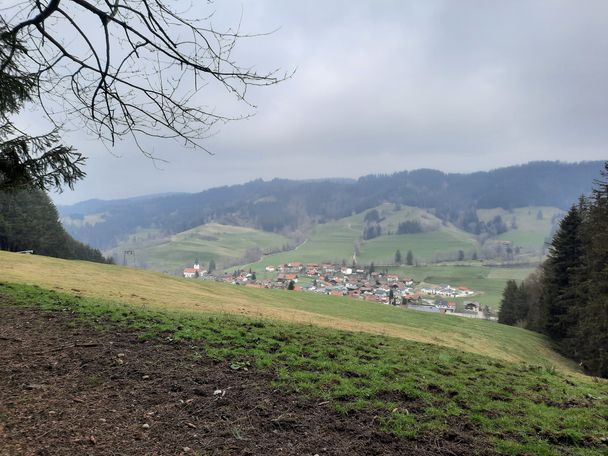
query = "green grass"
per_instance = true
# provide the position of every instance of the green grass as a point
(158, 291)
(328, 242)
(432, 246)
(531, 232)
(416, 390)
(206, 242)
(490, 281)
(335, 241)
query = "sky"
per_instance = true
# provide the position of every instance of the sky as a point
(382, 86)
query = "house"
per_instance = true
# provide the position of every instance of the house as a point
(270, 269)
(424, 307)
(471, 306)
(445, 306)
(194, 271)
(190, 273)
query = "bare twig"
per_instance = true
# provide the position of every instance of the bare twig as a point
(139, 71)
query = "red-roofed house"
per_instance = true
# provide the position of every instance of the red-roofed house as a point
(189, 273)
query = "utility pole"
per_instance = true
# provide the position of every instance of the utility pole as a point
(124, 256)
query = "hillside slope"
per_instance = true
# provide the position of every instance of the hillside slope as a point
(155, 291)
(341, 240)
(102, 376)
(287, 206)
(224, 244)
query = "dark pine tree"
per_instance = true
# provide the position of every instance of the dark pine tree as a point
(398, 258)
(589, 344)
(409, 259)
(508, 305)
(565, 258)
(29, 221)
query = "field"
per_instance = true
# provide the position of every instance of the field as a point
(335, 241)
(490, 281)
(531, 232)
(435, 245)
(207, 242)
(302, 388)
(158, 291)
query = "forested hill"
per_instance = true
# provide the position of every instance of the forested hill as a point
(288, 205)
(29, 221)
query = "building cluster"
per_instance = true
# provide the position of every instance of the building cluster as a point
(353, 282)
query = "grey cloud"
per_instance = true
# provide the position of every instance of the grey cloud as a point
(387, 85)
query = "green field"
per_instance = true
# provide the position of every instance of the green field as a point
(335, 241)
(490, 281)
(530, 232)
(417, 391)
(159, 291)
(222, 243)
(442, 244)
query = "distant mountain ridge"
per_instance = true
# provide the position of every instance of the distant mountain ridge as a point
(289, 206)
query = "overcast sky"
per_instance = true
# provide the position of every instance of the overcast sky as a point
(383, 86)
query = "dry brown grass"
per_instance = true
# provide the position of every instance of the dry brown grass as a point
(158, 291)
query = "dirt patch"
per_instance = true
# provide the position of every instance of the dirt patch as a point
(69, 389)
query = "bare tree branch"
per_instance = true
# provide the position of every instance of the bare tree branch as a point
(131, 67)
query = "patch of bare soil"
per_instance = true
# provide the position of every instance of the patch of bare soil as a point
(67, 388)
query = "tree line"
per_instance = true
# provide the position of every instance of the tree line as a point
(567, 298)
(29, 221)
(288, 206)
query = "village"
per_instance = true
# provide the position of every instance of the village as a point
(355, 282)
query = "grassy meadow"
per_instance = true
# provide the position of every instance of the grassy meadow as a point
(489, 281)
(530, 232)
(149, 290)
(417, 391)
(205, 243)
(335, 241)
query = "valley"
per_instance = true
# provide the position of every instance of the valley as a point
(441, 252)
(385, 379)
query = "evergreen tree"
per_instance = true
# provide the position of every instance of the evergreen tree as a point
(29, 221)
(28, 161)
(460, 255)
(589, 344)
(291, 285)
(211, 266)
(535, 317)
(568, 297)
(508, 305)
(398, 258)
(565, 255)
(409, 259)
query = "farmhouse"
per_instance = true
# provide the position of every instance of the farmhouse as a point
(190, 273)
(472, 306)
(194, 271)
